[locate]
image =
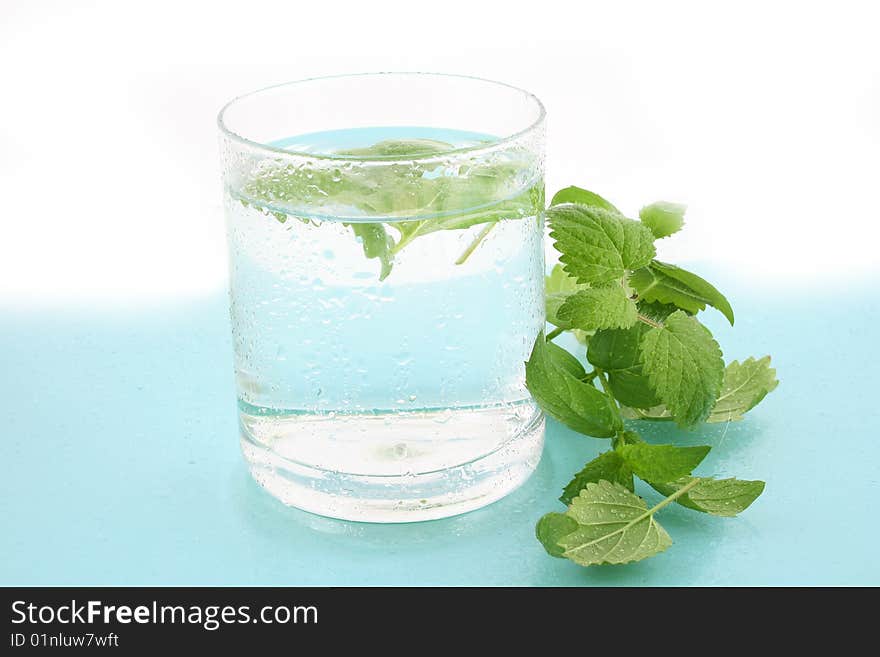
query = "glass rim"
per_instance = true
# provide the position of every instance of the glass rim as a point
(501, 142)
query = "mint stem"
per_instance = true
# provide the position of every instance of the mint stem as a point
(473, 245)
(406, 240)
(669, 500)
(555, 333)
(603, 380)
(606, 388)
(649, 321)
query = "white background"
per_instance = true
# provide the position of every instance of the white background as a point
(763, 117)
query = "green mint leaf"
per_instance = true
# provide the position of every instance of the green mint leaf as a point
(376, 244)
(565, 361)
(551, 310)
(598, 245)
(582, 337)
(669, 284)
(744, 386)
(662, 463)
(656, 311)
(718, 497)
(630, 438)
(558, 287)
(697, 286)
(614, 526)
(582, 197)
(558, 282)
(657, 413)
(631, 388)
(663, 218)
(552, 527)
(609, 466)
(617, 352)
(450, 194)
(684, 365)
(616, 349)
(553, 376)
(598, 308)
(399, 190)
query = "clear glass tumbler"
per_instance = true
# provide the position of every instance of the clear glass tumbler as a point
(386, 285)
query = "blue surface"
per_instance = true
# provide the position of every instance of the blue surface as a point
(120, 465)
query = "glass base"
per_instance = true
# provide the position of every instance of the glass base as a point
(407, 496)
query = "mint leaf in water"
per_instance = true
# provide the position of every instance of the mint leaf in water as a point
(683, 363)
(745, 385)
(718, 497)
(553, 376)
(662, 463)
(398, 192)
(582, 197)
(598, 308)
(461, 203)
(598, 245)
(668, 284)
(609, 466)
(613, 526)
(376, 243)
(663, 218)
(392, 148)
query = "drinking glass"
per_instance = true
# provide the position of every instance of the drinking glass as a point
(386, 285)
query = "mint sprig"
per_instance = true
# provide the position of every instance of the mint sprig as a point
(393, 189)
(651, 359)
